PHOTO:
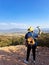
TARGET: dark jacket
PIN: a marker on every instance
(33, 35)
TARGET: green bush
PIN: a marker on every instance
(43, 40)
(17, 40)
(5, 41)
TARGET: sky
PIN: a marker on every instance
(24, 13)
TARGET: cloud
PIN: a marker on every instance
(3, 24)
(12, 25)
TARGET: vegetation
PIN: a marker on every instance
(11, 40)
(43, 40)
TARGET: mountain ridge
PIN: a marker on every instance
(19, 30)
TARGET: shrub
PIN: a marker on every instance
(17, 40)
(43, 40)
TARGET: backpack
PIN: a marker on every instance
(30, 41)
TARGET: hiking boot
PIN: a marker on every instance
(26, 61)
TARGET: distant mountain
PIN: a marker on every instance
(18, 30)
(14, 30)
(45, 30)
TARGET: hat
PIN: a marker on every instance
(30, 29)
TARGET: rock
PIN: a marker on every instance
(15, 55)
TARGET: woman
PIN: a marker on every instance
(31, 43)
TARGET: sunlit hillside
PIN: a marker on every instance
(18, 39)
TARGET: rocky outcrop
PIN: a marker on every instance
(15, 55)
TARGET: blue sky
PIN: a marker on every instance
(24, 13)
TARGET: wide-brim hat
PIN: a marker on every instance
(30, 29)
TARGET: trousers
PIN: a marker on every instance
(29, 47)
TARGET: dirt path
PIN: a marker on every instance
(15, 55)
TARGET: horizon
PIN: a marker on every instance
(23, 28)
(22, 31)
(24, 13)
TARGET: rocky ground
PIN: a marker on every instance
(15, 55)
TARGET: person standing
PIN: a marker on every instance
(31, 43)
